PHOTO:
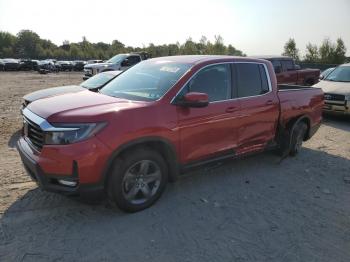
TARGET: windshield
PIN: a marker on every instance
(97, 81)
(146, 81)
(327, 71)
(116, 59)
(340, 74)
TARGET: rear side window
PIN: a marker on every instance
(288, 65)
(134, 60)
(213, 80)
(251, 79)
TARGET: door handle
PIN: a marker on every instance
(231, 109)
(269, 102)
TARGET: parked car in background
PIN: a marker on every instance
(96, 61)
(336, 88)
(287, 72)
(118, 62)
(27, 64)
(65, 65)
(47, 66)
(11, 64)
(159, 118)
(78, 65)
(326, 72)
(94, 84)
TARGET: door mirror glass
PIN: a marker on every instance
(194, 99)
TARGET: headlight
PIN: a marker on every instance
(63, 134)
(347, 97)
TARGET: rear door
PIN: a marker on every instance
(212, 130)
(259, 106)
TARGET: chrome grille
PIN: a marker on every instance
(33, 133)
(334, 97)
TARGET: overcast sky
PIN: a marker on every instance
(254, 26)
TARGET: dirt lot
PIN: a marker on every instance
(254, 209)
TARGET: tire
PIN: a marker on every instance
(298, 135)
(127, 184)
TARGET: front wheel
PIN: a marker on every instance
(298, 135)
(137, 180)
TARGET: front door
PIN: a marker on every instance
(212, 130)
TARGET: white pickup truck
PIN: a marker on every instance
(118, 62)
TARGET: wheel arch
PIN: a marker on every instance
(301, 118)
(159, 144)
(285, 131)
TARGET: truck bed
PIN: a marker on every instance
(296, 100)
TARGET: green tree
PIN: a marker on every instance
(7, 43)
(27, 44)
(291, 50)
(311, 55)
(327, 50)
(218, 48)
(189, 47)
(339, 52)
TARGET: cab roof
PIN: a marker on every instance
(197, 59)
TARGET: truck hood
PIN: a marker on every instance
(44, 93)
(98, 65)
(340, 88)
(85, 106)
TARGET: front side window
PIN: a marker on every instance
(213, 80)
(116, 59)
(251, 79)
(146, 81)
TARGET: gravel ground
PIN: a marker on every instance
(251, 209)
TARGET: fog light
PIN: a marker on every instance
(67, 183)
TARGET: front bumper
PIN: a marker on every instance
(35, 166)
(337, 107)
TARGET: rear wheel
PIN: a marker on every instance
(298, 135)
(137, 180)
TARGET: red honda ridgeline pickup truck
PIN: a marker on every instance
(287, 72)
(159, 118)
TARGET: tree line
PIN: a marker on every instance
(327, 53)
(28, 44)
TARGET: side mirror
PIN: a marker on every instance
(297, 67)
(278, 69)
(321, 77)
(126, 62)
(194, 99)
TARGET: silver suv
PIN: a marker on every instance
(118, 62)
